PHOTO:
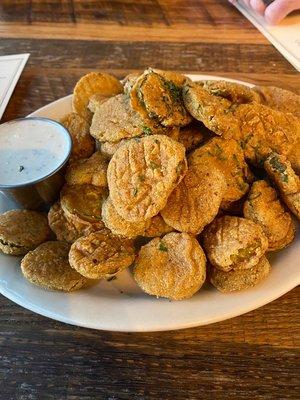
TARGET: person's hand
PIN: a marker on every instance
(276, 11)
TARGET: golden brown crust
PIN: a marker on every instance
(263, 130)
(216, 113)
(67, 231)
(100, 254)
(264, 208)
(294, 157)
(229, 157)
(173, 267)
(142, 174)
(234, 243)
(115, 120)
(157, 227)
(95, 101)
(195, 202)
(279, 99)
(232, 91)
(90, 84)
(159, 98)
(64, 230)
(118, 225)
(282, 174)
(191, 136)
(236, 280)
(83, 144)
(22, 231)
(82, 204)
(47, 266)
(90, 171)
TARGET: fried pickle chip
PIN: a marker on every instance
(216, 113)
(264, 208)
(234, 243)
(65, 230)
(264, 130)
(195, 202)
(159, 98)
(173, 267)
(100, 254)
(48, 267)
(22, 231)
(108, 149)
(157, 227)
(294, 157)
(83, 143)
(90, 84)
(142, 174)
(115, 120)
(129, 81)
(191, 136)
(82, 204)
(282, 174)
(88, 171)
(118, 225)
(229, 157)
(279, 99)
(236, 280)
(95, 101)
(232, 91)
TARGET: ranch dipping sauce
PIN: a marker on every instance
(31, 149)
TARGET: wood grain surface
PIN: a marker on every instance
(254, 356)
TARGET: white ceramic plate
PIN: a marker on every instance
(120, 305)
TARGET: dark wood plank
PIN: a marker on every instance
(55, 65)
(147, 20)
(252, 356)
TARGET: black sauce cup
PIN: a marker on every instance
(40, 193)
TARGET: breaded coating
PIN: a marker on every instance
(65, 230)
(100, 254)
(264, 208)
(95, 101)
(115, 120)
(236, 280)
(48, 267)
(82, 204)
(191, 136)
(118, 225)
(90, 84)
(83, 145)
(176, 77)
(90, 171)
(294, 157)
(142, 174)
(234, 92)
(264, 130)
(22, 231)
(228, 156)
(282, 174)
(258, 128)
(195, 202)
(159, 98)
(129, 81)
(234, 243)
(216, 113)
(108, 149)
(173, 267)
(157, 227)
(279, 99)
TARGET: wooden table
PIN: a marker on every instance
(250, 357)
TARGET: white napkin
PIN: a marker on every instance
(11, 68)
(284, 36)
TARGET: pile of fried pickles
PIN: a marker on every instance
(181, 180)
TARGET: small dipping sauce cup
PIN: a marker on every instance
(33, 153)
